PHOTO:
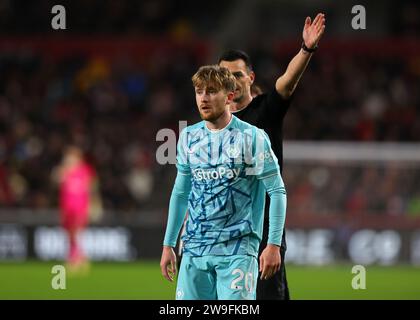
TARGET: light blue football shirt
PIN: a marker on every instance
(227, 198)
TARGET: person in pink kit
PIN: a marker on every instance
(76, 181)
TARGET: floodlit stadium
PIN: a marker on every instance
(114, 79)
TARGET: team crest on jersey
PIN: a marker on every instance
(233, 152)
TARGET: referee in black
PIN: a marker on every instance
(267, 111)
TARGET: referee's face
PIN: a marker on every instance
(244, 78)
(211, 102)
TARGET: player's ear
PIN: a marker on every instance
(229, 97)
(252, 76)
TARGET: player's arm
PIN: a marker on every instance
(268, 171)
(177, 210)
(312, 32)
(178, 205)
(270, 259)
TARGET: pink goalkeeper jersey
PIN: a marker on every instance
(75, 189)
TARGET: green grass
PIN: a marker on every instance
(334, 282)
(104, 281)
(142, 280)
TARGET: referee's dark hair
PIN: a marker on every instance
(232, 55)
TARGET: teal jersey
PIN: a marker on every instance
(227, 198)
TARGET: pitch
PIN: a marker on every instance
(143, 281)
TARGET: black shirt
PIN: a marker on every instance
(267, 112)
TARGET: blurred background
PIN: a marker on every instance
(121, 71)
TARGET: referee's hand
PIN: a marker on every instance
(168, 263)
(313, 31)
(270, 261)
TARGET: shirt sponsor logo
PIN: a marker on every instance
(214, 174)
(265, 156)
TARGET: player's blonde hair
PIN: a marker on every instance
(216, 76)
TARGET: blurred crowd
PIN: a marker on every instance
(113, 107)
(112, 110)
(208, 18)
(93, 17)
(353, 190)
(358, 97)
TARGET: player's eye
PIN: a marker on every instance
(238, 75)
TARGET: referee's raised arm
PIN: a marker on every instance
(312, 33)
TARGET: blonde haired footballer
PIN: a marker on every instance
(225, 168)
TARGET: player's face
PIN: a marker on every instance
(211, 103)
(71, 159)
(244, 78)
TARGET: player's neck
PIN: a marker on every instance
(239, 105)
(221, 122)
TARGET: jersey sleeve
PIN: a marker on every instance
(265, 162)
(182, 163)
(277, 214)
(178, 205)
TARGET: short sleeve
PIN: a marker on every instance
(182, 163)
